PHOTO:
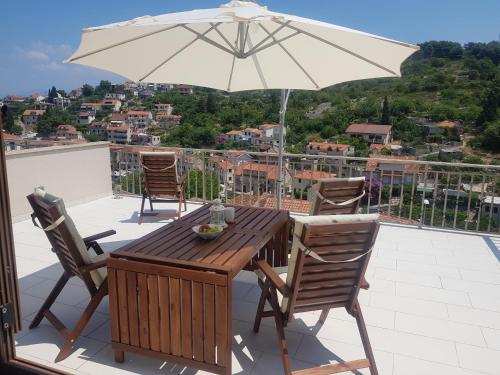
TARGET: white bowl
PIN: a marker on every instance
(209, 235)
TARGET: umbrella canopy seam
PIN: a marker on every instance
(257, 66)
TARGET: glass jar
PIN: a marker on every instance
(217, 213)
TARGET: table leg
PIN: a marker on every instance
(119, 356)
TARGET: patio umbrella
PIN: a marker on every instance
(240, 46)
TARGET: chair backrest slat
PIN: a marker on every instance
(160, 173)
(337, 190)
(318, 284)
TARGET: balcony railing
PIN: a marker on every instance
(436, 194)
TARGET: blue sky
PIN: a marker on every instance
(37, 36)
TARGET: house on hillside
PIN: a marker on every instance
(11, 142)
(61, 102)
(329, 149)
(235, 136)
(388, 168)
(139, 138)
(118, 118)
(185, 89)
(490, 205)
(119, 134)
(140, 119)
(86, 118)
(111, 104)
(302, 180)
(115, 95)
(372, 133)
(68, 132)
(99, 129)
(165, 108)
(165, 120)
(91, 107)
(30, 116)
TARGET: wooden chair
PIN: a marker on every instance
(329, 258)
(72, 251)
(161, 180)
(338, 196)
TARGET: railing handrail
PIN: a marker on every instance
(350, 158)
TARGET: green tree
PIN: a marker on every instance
(491, 103)
(103, 88)
(211, 103)
(52, 118)
(193, 187)
(384, 118)
(52, 94)
(87, 90)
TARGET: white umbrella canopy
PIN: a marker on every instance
(239, 46)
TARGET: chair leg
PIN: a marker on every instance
(278, 320)
(50, 299)
(82, 322)
(150, 203)
(119, 356)
(364, 338)
(324, 315)
(260, 307)
(141, 214)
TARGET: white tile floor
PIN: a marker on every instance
(433, 306)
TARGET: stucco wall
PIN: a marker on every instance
(76, 173)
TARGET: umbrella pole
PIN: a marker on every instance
(285, 94)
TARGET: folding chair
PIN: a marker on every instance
(72, 251)
(338, 196)
(329, 258)
(161, 180)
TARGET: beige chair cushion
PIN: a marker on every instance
(317, 201)
(98, 276)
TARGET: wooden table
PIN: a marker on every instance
(170, 291)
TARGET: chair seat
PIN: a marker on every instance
(99, 275)
(282, 272)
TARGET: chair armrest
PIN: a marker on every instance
(273, 277)
(93, 266)
(98, 236)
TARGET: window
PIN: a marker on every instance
(300, 180)
(495, 210)
(486, 208)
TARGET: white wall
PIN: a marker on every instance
(76, 173)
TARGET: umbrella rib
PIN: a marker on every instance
(268, 45)
(231, 74)
(254, 48)
(293, 59)
(202, 36)
(224, 37)
(122, 42)
(331, 44)
(175, 54)
(257, 65)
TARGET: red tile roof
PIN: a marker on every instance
(10, 137)
(118, 128)
(313, 175)
(372, 165)
(270, 170)
(234, 132)
(34, 112)
(447, 124)
(118, 117)
(368, 129)
(269, 126)
(324, 147)
(138, 113)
